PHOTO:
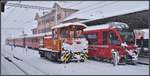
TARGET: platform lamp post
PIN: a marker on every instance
(56, 15)
(24, 41)
(12, 46)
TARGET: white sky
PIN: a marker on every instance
(14, 20)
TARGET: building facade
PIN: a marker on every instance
(48, 20)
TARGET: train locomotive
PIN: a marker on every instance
(113, 42)
(65, 44)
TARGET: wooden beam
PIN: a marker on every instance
(3, 2)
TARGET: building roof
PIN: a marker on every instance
(109, 9)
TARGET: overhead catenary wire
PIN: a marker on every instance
(28, 6)
(9, 13)
(97, 6)
(23, 23)
(18, 4)
(15, 19)
(87, 10)
(91, 5)
(72, 5)
(12, 9)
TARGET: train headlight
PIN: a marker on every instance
(133, 53)
(84, 50)
(124, 45)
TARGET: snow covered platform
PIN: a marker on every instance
(31, 63)
(142, 60)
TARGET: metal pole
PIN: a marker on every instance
(55, 15)
(23, 40)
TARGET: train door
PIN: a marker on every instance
(93, 42)
(104, 50)
(114, 43)
(41, 42)
(48, 42)
(56, 39)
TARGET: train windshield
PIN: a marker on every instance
(76, 34)
(128, 37)
(72, 34)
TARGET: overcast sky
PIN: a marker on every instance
(14, 20)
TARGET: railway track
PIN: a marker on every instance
(71, 69)
(142, 63)
(11, 61)
(19, 59)
(34, 67)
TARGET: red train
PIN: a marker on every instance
(31, 41)
(65, 44)
(113, 41)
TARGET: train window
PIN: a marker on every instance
(92, 38)
(55, 34)
(34, 40)
(113, 38)
(128, 36)
(78, 34)
(64, 33)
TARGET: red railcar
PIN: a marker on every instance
(112, 41)
(31, 41)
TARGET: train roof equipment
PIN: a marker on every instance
(110, 25)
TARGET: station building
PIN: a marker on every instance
(48, 20)
(136, 17)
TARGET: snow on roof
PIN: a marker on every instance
(68, 24)
(109, 9)
(76, 4)
(34, 35)
(106, 26)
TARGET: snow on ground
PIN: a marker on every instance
(90, 67)
(5, 70)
